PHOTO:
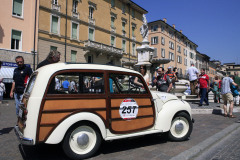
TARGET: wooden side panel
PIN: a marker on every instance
(55, 111)
(121, 126)
(43, 132)
(53, 118)
(74, 104)
(140, 102)
(141, 112)
(145, 117)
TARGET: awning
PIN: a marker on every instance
(7, 74)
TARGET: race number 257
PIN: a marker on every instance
(128, 109)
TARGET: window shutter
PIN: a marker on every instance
(16, 35)
(91, 34)
(73, 56)
(74, 30)
(112, 40)
(53, 48)
(17, 7)
(124, 45)
(54, 24)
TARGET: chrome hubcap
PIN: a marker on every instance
(179, 127)
(83, 139)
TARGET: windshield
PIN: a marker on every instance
(30, 84)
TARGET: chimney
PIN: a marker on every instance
(165, 20)
(173, 26)
(180, 31)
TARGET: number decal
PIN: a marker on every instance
(124, 108)
(128, 109)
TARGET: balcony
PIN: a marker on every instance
(56, 7)
(75, 14)
(103, 48)
(91, 21)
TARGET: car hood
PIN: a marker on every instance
(163, 96)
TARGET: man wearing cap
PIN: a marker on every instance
(193, 78)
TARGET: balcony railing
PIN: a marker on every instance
(56, 7)
(75, 14)
(91, 20)
(103, 48)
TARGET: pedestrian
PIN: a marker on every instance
(73, 86)
(2, 90)
(171, 75)
(193, 78)
(143, 71)
(0, 64)
(53, 57)
(163, 81)
(227, 95)
(204, 87)
(235, 92)
(66, 85)
(20, 79)
(215, 89)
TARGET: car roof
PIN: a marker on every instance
(52, 68)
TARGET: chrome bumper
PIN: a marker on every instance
(22, 140)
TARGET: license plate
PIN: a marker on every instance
(20, 112)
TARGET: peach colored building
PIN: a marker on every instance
(17, 24)
(172, 44)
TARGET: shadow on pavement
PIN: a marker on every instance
(6, 130)
(50, 152)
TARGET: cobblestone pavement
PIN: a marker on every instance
(227, 149)
(147, 147)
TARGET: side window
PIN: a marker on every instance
(93, 83)
(77, 83)
(126, 84)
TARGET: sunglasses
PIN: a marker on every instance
(19, 62)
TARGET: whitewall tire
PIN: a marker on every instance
(181, 127)
(82, 141)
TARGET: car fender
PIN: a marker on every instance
(59, 132)
(169, 110)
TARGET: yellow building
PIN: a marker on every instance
(172, 44)
(90, 31)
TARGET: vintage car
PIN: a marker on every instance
(97, 102)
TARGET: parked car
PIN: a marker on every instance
(105, 105)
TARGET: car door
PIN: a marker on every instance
(131, 105)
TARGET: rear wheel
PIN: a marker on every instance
(82, 141)
(181, 127)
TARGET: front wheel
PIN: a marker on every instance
(82, 141)
(181, 127)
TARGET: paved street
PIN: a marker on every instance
(206, 131)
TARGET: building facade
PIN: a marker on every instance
(93, 31)
(172, 44)
(231, 69)
(17, 27)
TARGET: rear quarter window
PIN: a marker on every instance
(77, 83)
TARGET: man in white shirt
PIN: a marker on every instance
(193, 77)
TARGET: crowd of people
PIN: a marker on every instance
(227, 87)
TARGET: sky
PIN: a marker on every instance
(214, 25)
